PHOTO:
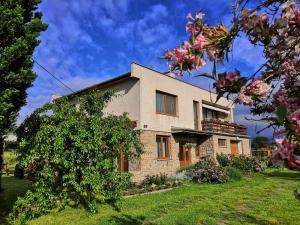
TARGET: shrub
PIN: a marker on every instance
(19, 171)
(247, 164)
(155, 179)
(224, 159)
(233, 173)
(207, 171)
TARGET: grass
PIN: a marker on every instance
(260, 199)
(13, 187)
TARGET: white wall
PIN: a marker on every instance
(151, 81)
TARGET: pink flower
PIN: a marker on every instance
(221, 83)
(265, 18)
(169, 55)
(187, 45)
(179, 55)
(197, 64)
(191, 27)
(285, 150)
(200, 42)
(190, 17)
(211, 52)
(200, 15)
(260, 88)
(296, 117)
(232, 76)
(244, 99)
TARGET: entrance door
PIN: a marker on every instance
(234, 148)
(184, 155)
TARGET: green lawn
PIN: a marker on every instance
(13, 187)
(262, 199)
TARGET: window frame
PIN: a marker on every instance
(225, 143)
(197, 115)
(162, 149)
(165, 103)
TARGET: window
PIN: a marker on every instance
(163, 147)
(222, 142)
(209, 114)
(165, 103)
(196, 114)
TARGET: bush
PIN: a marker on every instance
(247, 164)
(19, 171)
(207, 171)
(155, 179)
(224, 159)
(233, 173)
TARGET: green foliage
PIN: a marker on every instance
(246, 164)
(260, 142)
(207, 171)
(20, 27)
(223, 159)
(155, 179)
(233, 173)
(76, 150)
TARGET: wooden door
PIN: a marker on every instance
(234, 148)
(184, 155)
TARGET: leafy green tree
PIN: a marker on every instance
(260, 142)
(76, 149)
(20, 26)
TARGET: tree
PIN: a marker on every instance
(273, 91)
(76, 149)
(20, 26)
(260, 142)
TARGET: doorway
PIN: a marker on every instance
(184, 154)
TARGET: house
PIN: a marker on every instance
(180, 122)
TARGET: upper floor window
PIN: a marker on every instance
(209, 114)
(165, 103)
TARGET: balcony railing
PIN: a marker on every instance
(223, 127)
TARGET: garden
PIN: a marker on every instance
(231, 192)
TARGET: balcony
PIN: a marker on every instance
(223, 127)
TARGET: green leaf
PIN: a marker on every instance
(205, 75)
(281, 113)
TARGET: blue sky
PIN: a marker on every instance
(91, 41)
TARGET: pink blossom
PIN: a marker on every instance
(200, 15)
(191, 27)
(187, 45)
(197, 64)
(264, 18)
(244, 99)
(296, 117)
(221, 83)
(285, 150)
(190, 17)
(232, 76)
(260, 88)
(200, 42)
(179, 55)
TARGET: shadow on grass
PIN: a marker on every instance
(287, 175)
(13, 188)
(126, 219)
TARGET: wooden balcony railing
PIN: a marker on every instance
(223, 127)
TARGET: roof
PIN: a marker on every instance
(104, 83)
(128, 75)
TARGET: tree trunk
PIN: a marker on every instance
(1, 160)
